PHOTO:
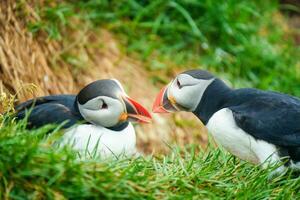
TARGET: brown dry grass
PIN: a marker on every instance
(96, 54)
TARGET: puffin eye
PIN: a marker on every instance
(178, 84)
(104, 105)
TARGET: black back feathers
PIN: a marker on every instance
(50, 110)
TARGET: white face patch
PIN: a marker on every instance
(187, 91)
(102, 110)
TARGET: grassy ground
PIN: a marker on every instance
(247, 42)
(32, 169)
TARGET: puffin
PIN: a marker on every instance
(96, 121)
(262, 127)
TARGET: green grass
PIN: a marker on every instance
(33, 168)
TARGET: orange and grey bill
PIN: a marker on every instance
(136, 111)
(158, 106)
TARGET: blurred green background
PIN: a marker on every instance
(249, 43)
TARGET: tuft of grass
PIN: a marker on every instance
(33, 168)
(7, 101)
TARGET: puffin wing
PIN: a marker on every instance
(274, 118)
(49, 110)
(67, 100)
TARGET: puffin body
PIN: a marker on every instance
(97, 121)
(234, 139)
(258, 126)
(92, 140)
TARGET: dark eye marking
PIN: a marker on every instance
(178, 84)
(104, 105)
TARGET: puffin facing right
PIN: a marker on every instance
(262, 127)
(97, 119)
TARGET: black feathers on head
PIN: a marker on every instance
(105, 87)
(199, 74)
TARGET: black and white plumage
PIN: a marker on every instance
(95, 120)
(255, 125)
(54, 109)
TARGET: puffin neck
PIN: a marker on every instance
(213, 99)
(119, 127)
(76, 106)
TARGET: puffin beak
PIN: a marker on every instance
(135, 111)
(162, 103)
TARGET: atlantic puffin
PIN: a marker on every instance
(262, 127)
(97, 121)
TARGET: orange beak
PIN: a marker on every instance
(163, 103)
(159, 102)
(136, 112)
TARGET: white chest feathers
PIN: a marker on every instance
(95, 141)
(226, 133)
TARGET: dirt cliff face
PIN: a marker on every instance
(25, 59)
(65, 66)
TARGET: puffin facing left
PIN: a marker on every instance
(97, 120)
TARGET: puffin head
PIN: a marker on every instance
(105, 103)
(183, 93)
